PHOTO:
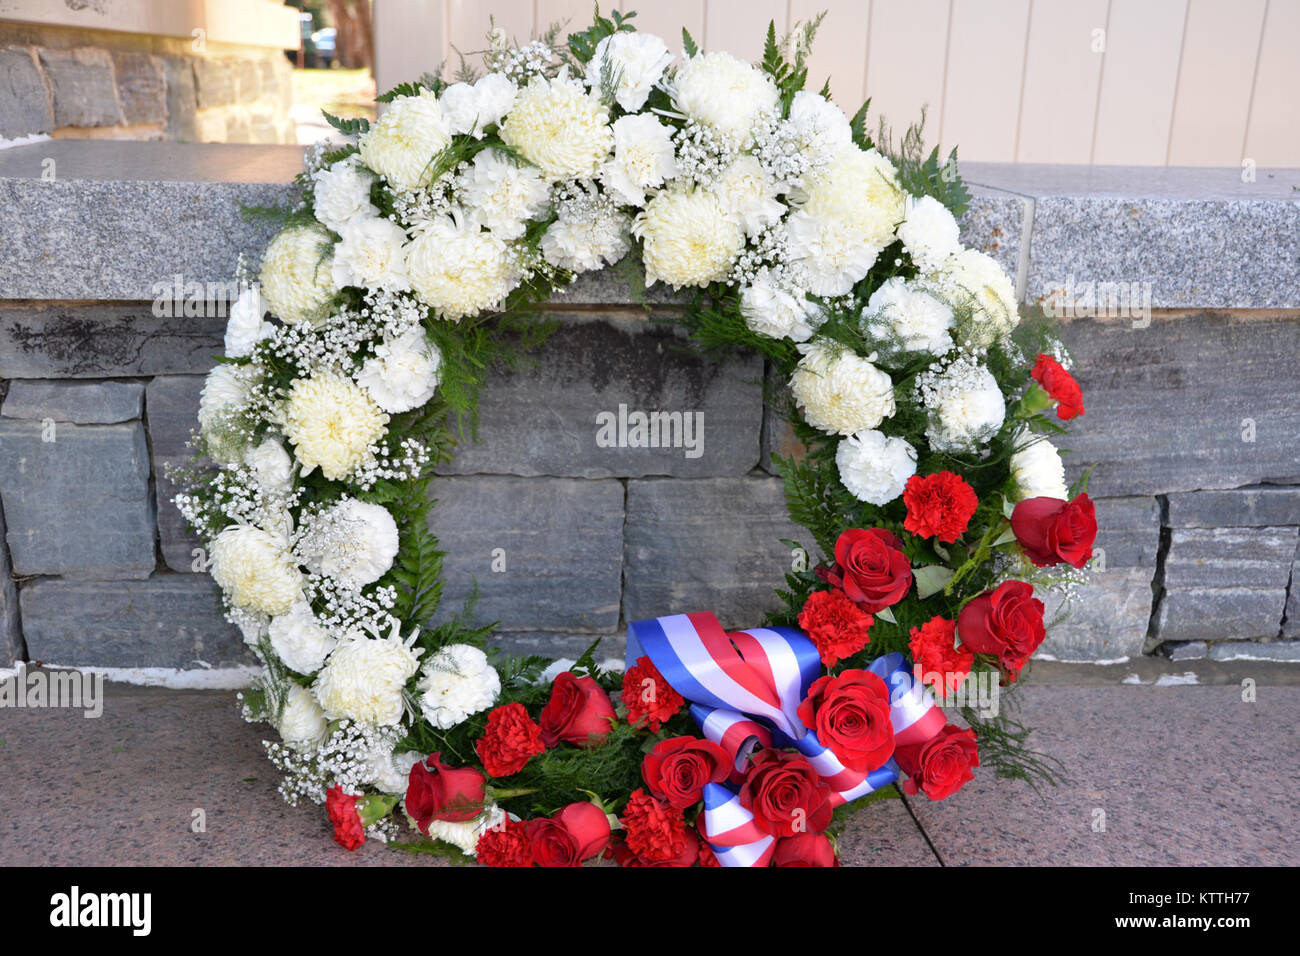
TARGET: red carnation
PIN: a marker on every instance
(939, 506)
(941, 765)
(656, 832)
(505, 844)
(349, 832)
(943, 665)
(870, 567)
(677, 769)
(691, 853)
(579, 712)
(1053, 531)
(1060, 385)
(835, 624)
(648, 696)
(509, 741)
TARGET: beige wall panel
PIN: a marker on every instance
(1273, 137)
(740, 26)
(840, 51)
(667, 17)
(1062, 75)
(986, 56)
(410, 39)
(905, 63)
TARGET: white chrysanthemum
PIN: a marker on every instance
(688, 237)
(821, 128)
(725, 94)
(352, 542)
(643, 158)
(298, 640)
(965, 405)
(272, 466)
(255, 570)
(503, 194)
(975, 281)
(849, 211)
(296, 278)
(559, 128)
(225, 392)
(748, 194)
(772, 309)
(841, 393)
(364, 677)
(929, 232)
(906, 313)
(1037, 471)
(403, 373)
(246, 325)
(341, 194)
(402, 145)
(370, 256)
(636, 62)
(458, 269)
(456, 683)
(875, 467)
(331, 422)
(465, 836)
(302, 723)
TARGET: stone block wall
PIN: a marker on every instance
(81, 84)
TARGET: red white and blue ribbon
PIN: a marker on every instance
(745, 689)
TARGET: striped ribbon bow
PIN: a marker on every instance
(744, 689)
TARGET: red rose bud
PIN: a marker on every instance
(871, 568)
(677, 769)
(1052, 531)
(850, 713)
(786, 795)
(1007, 623)
(551, 843)
(805, 849)
(1060, 386)
(938, 506)
(837, 626)
(589, 827)
(940, 766)
(579, 712)
(349, 832)
(435, 791)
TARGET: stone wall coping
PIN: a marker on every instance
(120, 217)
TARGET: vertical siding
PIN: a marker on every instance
(1181, 82)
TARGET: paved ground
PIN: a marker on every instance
(1158, 775)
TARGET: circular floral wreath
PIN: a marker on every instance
(925, 482)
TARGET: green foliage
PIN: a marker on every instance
(924, 175)
(689, 46)
(1003, 748)
(583, 45)
(353, 126)
(790, 76)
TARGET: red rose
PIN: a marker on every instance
(938, 506)
(785, 794)
(850, 713)
(648, 696)
(870, 567)
(550, 843)
(941, 765)
(692, 852)
(588, 825)
(505, 844)
(835, 624)
(1053, 531)
(655, 831)
(349, 832)
(805, 849)
(1060, 385)
(435, 791)
(943, 665)
(509, 741)
(579, 712)
(677, 769)
(1007, 623)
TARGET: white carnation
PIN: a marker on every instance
(331, 422)
(929, 232)
(403, 373)
(298, 640)
(296, 277)
(587, 236)
(841, 393)
(341, 194)
(559, 128)
(302, 723)
(773, 309)
(272, 466)
(975, 282)
(1037, 471)
(636, 61)
(748, 194)
(503, 194)
(456, 683)
(875, 467)
(353, 542)
(726, 94)
(457, 269)
(364, 678)
(965, 405)
(688, 237)
(402, 145)
(643, 158)
(226, 391)
(387, 771)
(370, 256)
(474, 109)
(246, 325)
(821, 128)
(465, 836)
(255, 570)
(906, 313)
